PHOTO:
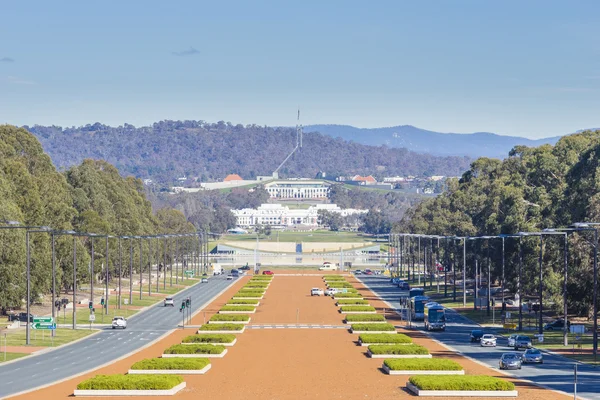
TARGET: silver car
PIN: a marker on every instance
(510, 361)
(522, 342)
(533, 356)
(512, 339)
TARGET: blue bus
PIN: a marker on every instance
(417, 307)
(435, 317)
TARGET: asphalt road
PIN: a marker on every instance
(556, 372)
(64, 362)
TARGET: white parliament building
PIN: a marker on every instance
(283, 216)
(298, 189)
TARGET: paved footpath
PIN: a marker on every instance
(291, 363)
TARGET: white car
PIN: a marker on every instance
(119, 322)
(488, 340)
(317, 292)
(169, 302)
(229, 277)
(204, 280)
(331, 291)
(512, 339)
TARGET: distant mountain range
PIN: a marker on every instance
(478, 144)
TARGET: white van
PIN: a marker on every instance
(217, 269)
(327, 266)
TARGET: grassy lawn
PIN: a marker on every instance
(11, 356)
(43, 338)
(83, 315)
(315, 236)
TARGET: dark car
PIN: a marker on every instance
(510, 361)
(404, 285)
(557, 324)
(245, 268)
(22, 317)
(476, 335)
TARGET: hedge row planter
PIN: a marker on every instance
(195, 351)
(102, 385)
(397, 351)
(461, 386)
(357, 310)
(389, 338)
(222, 328)
(211, 338)
(365, 319)
(352, 302)
(166, 366)
(420, 366)
(228, 322)
(247, 297)
(238, 302)
(372, 328)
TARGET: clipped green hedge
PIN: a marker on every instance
(210, 338)
(340, 285)
(249, 295)
(421, 364)
(257, 291)
(373, 327)
(242, 302)
(171, 363)
(252, 286)
(261, 278)
(195, 349)
(241, 307)
(348, 294)
(334, 278)
(344, 302)
(131, 382)
(365, 318)
(396, 338)
(398, 349)
(230, 317)
(356, 308)
(221, 327)
(459, 382)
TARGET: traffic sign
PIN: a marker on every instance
(126, 301)
(189, 272)
(43, 319)
(92, 317)
(43, 325)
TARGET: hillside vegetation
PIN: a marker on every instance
(170, 149)
(534, 188)
(91, 197)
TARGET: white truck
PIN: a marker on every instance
(217, 269)
(327, 266)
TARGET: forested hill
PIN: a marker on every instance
(169, 149)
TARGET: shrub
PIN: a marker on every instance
(171, 363)
(242, 302)
(258, 291)
(356, 308)
(422, 364)
(221, 327)
(238, 308)
(343, 302)
(334, 277)
(396, 338)
(230, 317)
(254, 286)
(399, 349)
(348, 294)
(131, 382)
(210, 338)
(364, 318)
(195, 349)
(249, 295)
(457, 382)
(261, 278)
(340, 285)
(373, 327)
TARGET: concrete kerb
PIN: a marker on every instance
(150, 343)
(470, 358)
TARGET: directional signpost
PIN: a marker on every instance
(43, 323)
(189, 273)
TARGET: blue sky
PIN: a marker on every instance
(528, 68)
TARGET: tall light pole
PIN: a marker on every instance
(489, 273)
(565, 279)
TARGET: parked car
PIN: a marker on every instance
(331, 291)
(488, 340)
(533, 356)
(267, 272)
(119, 322)
(511, 340)
(557, 324)
(476, 335)
(316, 292)
(358, 272)
(21, 317)
(522, 342)
(168, 302)
(510, 361)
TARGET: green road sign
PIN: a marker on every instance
(43, 319)
(189, 272)
(43, 325)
